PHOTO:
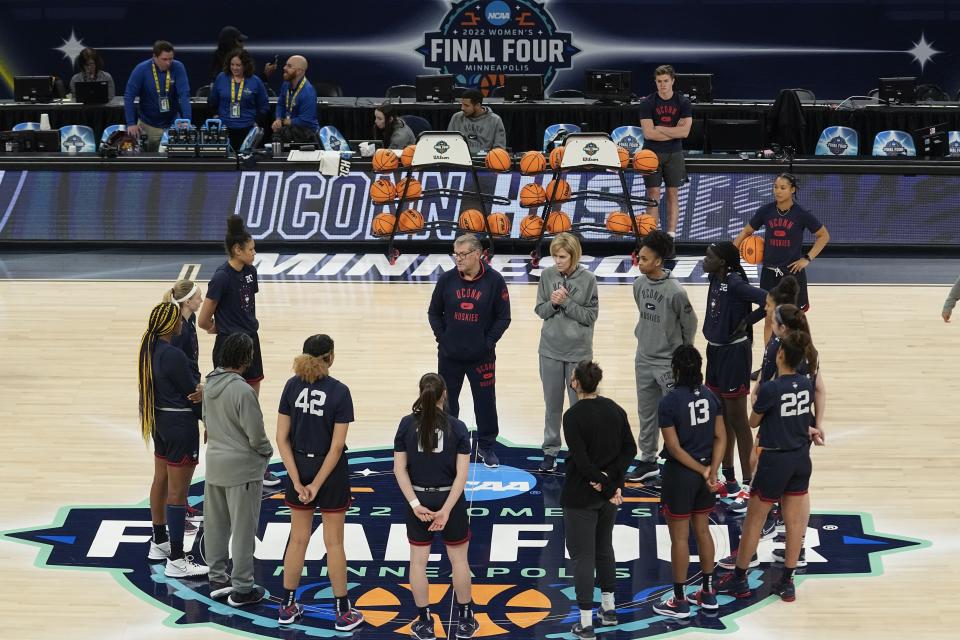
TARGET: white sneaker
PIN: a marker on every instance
(184, 568)
(159, 551)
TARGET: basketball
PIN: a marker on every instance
(751, 249)
(532, 195)
(384, 160)
(383, 224)
(499, 224)
(619, 222)
(407, 157)
(531, 226)
(645, 160)
(471, 220)
(558, 221)
(646, 223)
(558, 190)
(498, 160)
(414, 188)
(382, 191)
(555, 157)
(532, 162)
(411, 220)
(624, 157)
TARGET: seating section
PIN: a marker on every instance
(838, 141)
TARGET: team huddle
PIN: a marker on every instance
(702, 417)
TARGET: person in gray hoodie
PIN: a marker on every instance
(666, 321)
(482, 128)
(237, 455)
(951, 301)
(567, 301)
(391, 128)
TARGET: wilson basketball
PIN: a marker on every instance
(407, 157)
(471, 220)
(411, 220)
(646, 223)
(414, 188)
(384, 160)
(619, 222)
(624, 157)
(751, 249)
(558, 221)
(382, 191)
(531, 226)
(645, 160)
(555, 157)
(499, 224)
(383, 224)
(532, 162)
(532, 195)
(498, 160)
(558, 190)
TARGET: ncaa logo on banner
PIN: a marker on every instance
(480, 42)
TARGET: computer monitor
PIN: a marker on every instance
(522, 88)
(897, 90)
(438, 88)
(93, 92)
(32, 88)
(732, 136)
(608, 85)
(696, 86)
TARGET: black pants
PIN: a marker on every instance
(589, 535)
(483, 379)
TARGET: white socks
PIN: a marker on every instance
(586, 618)
(606, 601)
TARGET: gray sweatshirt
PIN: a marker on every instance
(667, 318)
(483, 132)
(952, 297)
(567, 332)
(402, 136)
(237, 447)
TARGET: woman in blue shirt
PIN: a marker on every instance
(238, 96)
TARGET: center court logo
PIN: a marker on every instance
(522, 578)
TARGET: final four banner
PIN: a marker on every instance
(304, 206)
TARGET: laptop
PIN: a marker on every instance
(91, 92)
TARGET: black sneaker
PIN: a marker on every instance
(220, 590)
(269, 479)
(785, 589)
(489, 458)
(582, 633)
(608, 617)
(730, 562)
(643, 471)
(194, 514)
(769, 529)
(549, 463)
(467, 627)
(242, 599)
(421, 630)
(738, 588)
(779, 556)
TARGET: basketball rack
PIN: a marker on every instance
(590, 152)
(446, 150)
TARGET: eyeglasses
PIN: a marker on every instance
(463, 255)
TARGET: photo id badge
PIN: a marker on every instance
(164, 104)
(235, 110)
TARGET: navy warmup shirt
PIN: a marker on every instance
(439, 468)
(787, 407)
(314, 409)
(693, 413)
(235, 294)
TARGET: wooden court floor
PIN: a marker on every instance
(69, 432)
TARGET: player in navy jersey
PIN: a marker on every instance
(727, 328)
(694, 438)
(315, 412)
(783, 414)
(431, 459)
(783, 253)
(169, 411)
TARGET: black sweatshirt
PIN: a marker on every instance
(468, 317)
(598, 434)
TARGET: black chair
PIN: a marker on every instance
(417, 124)
(328, 90)
(497, 91)
(931, 93)
(805, 95)
(402, 91)
(458, 92)
(271, 93)
(695, 139)
(567, 93)
(204, 91)
(873, 93)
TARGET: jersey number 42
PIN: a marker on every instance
(311, 401)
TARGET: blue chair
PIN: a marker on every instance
(109, 131)
(333, 140)
(630, 138)
(894, 143)
(417, 124)
(27, 126)
(838, 141)
(79, 137)
(555, 134)
(953, 142)
(252, 141)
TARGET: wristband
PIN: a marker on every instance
(414, 503)
(807, 257)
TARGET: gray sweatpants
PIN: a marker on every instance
(555, 376)
(654, 380)
(231, 512)
(589, 538)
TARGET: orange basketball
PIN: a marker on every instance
(411, 220)
(751, 249)
(645, 160)
(382, 191)
(532, 162)
(624, 156)
(471, 220)
(532, 195)
(646, 223)
(407, 157)
(555, 157)
(383, 224)
(498, 160)
(384, 160)
(619, 222)
(499, 224)
(558, 190)
(558, 221)
(414, 188)
(531, 226)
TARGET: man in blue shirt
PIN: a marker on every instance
(163, 89)
(297, 105)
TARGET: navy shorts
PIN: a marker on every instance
(671, 170)
(455, 532)
(781, 473)
(254, 372)
(684, 491)
(176, 438)
(728, 369)
(770, 276)
(334, 494)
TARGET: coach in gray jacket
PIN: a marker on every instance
(481, 126)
